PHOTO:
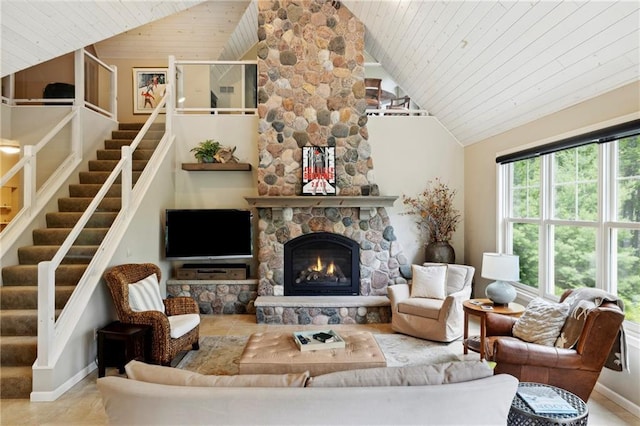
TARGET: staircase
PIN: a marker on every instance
(19, 292)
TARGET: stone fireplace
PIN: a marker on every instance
(311, 93)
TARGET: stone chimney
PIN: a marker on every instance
(311, 93)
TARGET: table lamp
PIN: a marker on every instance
(502, 268)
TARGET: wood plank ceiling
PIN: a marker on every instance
(480, 67)
(484, 67)
(37, 31)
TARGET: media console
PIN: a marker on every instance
(226, 271)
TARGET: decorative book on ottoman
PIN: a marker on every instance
(543, 400)
(315, 340)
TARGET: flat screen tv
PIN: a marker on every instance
(208, 234)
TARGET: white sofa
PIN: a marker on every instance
(482, 401)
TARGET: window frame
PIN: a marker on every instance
(606, 223)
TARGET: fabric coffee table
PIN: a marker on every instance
(277, 353)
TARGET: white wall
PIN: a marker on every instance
(215, 189)
(408, 152)
(480, 190)
(402, 165)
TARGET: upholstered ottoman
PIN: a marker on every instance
(277, 353)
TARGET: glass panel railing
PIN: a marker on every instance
(216, 87)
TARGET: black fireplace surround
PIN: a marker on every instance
(321, 264)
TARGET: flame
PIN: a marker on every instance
(318, 266)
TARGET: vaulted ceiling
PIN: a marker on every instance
(480, 67)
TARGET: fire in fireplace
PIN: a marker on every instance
(321, 263)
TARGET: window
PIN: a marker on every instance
(571, 212)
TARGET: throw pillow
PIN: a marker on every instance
(456, 278)
(144, 295)
(162, 375)
(414, 375)
(541, 322)
(429, 281)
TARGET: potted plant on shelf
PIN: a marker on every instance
(206, 151)
(437, 218)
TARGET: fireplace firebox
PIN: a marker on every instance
(321, 263)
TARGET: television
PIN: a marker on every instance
(208, 234)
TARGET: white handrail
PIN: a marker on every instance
(398, 112)
(37, 147)
(53, 335)
(34, 199)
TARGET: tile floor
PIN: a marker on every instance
(82, 404)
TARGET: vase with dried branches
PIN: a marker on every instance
(437, 218)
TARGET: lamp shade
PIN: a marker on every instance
(500, 267)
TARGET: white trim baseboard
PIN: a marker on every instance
(53, 395)
(615, 397)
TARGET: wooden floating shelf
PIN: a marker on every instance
(202, 167)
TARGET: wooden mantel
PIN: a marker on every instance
(367, 204)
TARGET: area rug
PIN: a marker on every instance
(220, 354)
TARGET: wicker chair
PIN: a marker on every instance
(163, 347)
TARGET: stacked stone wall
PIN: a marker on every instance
(311, 92)
(381, 255)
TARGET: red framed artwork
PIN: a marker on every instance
(318, 170)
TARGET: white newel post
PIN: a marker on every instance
(127, 178)
(29, 185)
(46, 312)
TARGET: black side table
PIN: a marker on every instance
(522, 414)
(119, 343)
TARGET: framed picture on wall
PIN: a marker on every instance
(148, 89)
(318, 170)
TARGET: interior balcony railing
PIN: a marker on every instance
(230, 87)
(95, 87)
(214, 87)
(45, 165)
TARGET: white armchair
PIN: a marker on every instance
(428, 317)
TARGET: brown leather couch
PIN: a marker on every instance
(576, 369)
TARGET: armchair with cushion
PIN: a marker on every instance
(175, 322)
(431, 308)
(575, 368)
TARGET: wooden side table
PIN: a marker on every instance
(479, 308)
(119, 343)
